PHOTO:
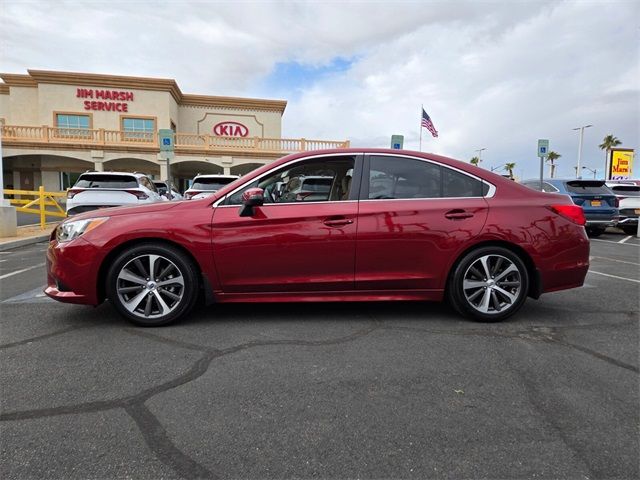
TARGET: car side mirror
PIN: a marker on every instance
(252, 197)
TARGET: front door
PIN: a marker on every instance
(413, 216)
(301, 239)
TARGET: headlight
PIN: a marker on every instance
(67, 231)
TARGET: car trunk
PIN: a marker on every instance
(591, 195)
(104, 196)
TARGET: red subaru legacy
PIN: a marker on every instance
(368, 224)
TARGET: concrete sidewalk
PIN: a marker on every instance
(27, 235)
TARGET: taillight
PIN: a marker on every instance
(138, 193)
(573, 213)
(190, 195)
(73, 192)
(617, 203)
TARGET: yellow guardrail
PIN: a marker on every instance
(39, 204)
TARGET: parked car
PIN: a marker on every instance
(598, 202)
(436, 229)
(206, 185)
(628, 195)
(95, 190)
(163, 188)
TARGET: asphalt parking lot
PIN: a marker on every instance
(343, 390)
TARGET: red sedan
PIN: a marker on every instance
(382, 225)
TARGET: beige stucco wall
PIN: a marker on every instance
(23, 106)
(196, 119)
(63, 98)
(4, 106)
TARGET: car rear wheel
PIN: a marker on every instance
(489, 284)
(152, 284)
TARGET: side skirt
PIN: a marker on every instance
(336, 296)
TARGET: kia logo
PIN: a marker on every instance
(230, 129)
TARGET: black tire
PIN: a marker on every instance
(505, 298)
(630, 229)
(595, 231)
(175, 293)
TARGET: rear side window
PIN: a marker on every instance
(211, 183)
(97, 180)
(397, 177)
(456, 184)
(588, 187)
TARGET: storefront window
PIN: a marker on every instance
(139, 128)
(72, 125)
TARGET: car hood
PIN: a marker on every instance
(118, 211)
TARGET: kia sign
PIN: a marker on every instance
(230, 129)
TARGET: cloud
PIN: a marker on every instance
(498, 75)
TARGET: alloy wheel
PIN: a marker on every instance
(150, 286)
(492, 284)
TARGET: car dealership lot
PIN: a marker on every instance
(394, 390)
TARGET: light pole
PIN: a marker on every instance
(592, 171)
(579, 170)
(479, 152)
(493, 169)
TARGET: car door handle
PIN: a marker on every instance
(337, 222)
(458, 214)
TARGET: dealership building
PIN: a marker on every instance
(56, 125)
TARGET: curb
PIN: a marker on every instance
(22, 242)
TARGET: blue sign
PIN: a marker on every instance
(396, 146)
(166, 137)
(166, 141)
(543, 148)
(397, 142)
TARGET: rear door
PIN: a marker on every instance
(413, 215)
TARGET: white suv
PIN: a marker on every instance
(205, 185)
(95, 190)
(628, 195)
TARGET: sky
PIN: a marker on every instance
(493, 75)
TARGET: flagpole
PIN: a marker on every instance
(421, 110)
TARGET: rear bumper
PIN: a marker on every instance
(569, 266)
(72, 272)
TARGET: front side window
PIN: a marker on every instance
(138, 128)
(316, 180)
(70, 125)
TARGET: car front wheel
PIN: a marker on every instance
(489, 284)
(152, 284)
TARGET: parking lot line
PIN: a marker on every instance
(615, 276)
(613, 260)
(625, 239)
(11, 274)
(617, 243)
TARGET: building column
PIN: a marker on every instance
(226, 170)
(98, 167)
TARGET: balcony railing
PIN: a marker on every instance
(185, 142)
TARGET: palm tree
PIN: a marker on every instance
(607, 144)
(551, 157)
(510, 167)
(475, 161)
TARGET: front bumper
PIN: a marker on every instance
(72, 272)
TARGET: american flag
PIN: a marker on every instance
(428, 124)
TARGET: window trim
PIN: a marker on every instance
(367, 164)
(77, 114)
(355, 180)
(138, 117)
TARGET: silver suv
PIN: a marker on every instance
(95, 190)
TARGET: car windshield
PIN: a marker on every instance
(211, 183)
(160, 185)
(626, 190)
(106, 181)
(591, 187)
